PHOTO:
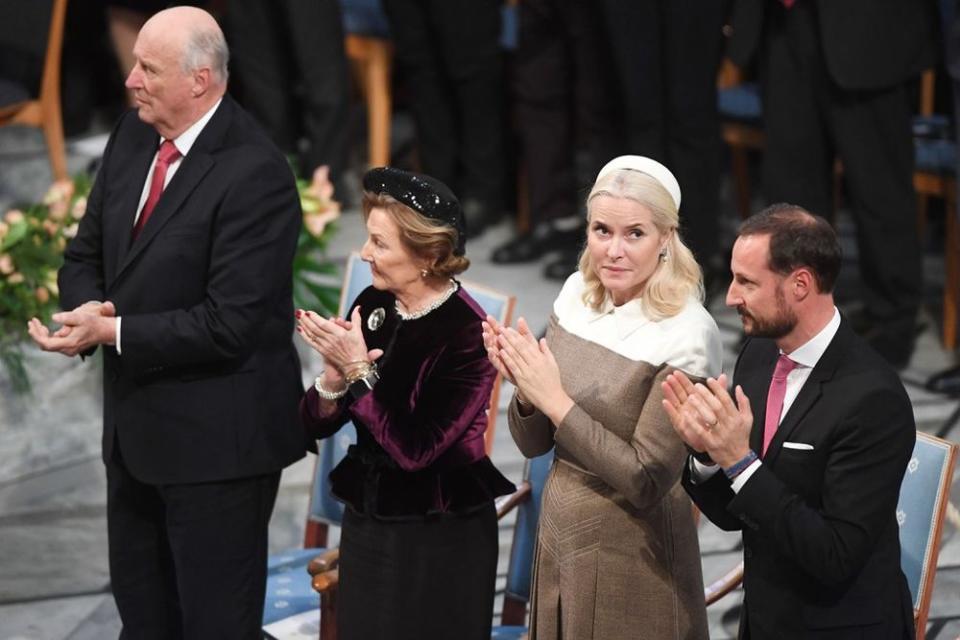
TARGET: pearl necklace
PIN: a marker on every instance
(454, 286)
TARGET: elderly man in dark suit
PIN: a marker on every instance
(835, 80)
(808, 457)
(181, 269)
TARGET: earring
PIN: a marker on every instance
(424, 273)
(663, 255)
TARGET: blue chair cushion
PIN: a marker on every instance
(12, 93)
(507, 633)
(740, 102)
(289, 588)
(509, 27)
(935, 156)
(364, 18)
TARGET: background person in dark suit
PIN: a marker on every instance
(834, 76)
(834, 428)
(201, 381)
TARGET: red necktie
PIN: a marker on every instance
(167, 155)
(778, 389)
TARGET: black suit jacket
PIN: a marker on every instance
(820, 535)
(867, 44)
(208, 383)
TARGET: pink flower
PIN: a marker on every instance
(43, 296)
(51, 227)
(79, 208)
(320, 186)
(61, 190)
(15, 278)
(317, 222)
(14, 216)
(6, 264)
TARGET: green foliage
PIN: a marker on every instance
(32, 240)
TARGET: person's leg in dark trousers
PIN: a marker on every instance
(875, 144)
(142, 573)
(693, 40)
(598, 117)
(189, 561)
(469, 37)
(414, 33)
(261, 62)
(542, 86)
(315, 38)
(798, 156)
(218, 538)
(666, 55)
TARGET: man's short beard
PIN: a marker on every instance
(774, 328)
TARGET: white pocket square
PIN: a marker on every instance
(800, 446)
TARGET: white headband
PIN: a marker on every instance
(648, 166)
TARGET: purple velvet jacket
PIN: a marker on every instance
(420, 447)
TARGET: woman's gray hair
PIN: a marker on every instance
(207, 48)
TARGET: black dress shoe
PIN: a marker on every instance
(946, 381)
(526, 247)
(561, 268)
(478, 217)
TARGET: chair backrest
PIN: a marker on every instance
(324, 508)
(524, 541)
(924, 495)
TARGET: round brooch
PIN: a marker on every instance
(376, 318)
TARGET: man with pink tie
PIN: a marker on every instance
(807, 455)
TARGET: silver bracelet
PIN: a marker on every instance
(328, 395)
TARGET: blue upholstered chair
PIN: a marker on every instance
(519, 571)
(27, 28)
(289, 589)
(741, 127)
(934, 176)
(924, 495)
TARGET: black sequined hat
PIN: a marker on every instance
(425, 195)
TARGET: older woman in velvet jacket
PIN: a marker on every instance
(419, 543)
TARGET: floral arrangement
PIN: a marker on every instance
(32, 240)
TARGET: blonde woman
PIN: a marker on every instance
(617, 553)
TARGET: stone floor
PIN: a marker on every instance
(54, 583)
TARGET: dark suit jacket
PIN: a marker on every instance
(208, 382)
(820, 534)
(867, 44)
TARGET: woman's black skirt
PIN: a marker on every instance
(427, 579)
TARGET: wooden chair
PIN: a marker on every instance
(935, 177)
(21, 25)
(288, 583)
(370, 52)
(741, 128)
(924, 495)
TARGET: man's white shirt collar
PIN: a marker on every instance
(184, 142)
(809, 353)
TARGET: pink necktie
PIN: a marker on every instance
(168, 154)
(778, 389)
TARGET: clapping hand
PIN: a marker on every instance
(706, 417)
(87, 326)
(530, 366)
(339, 341)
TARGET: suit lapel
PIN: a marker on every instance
(812, 389)
(129, 191)
(197, 163)
(755, 385)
